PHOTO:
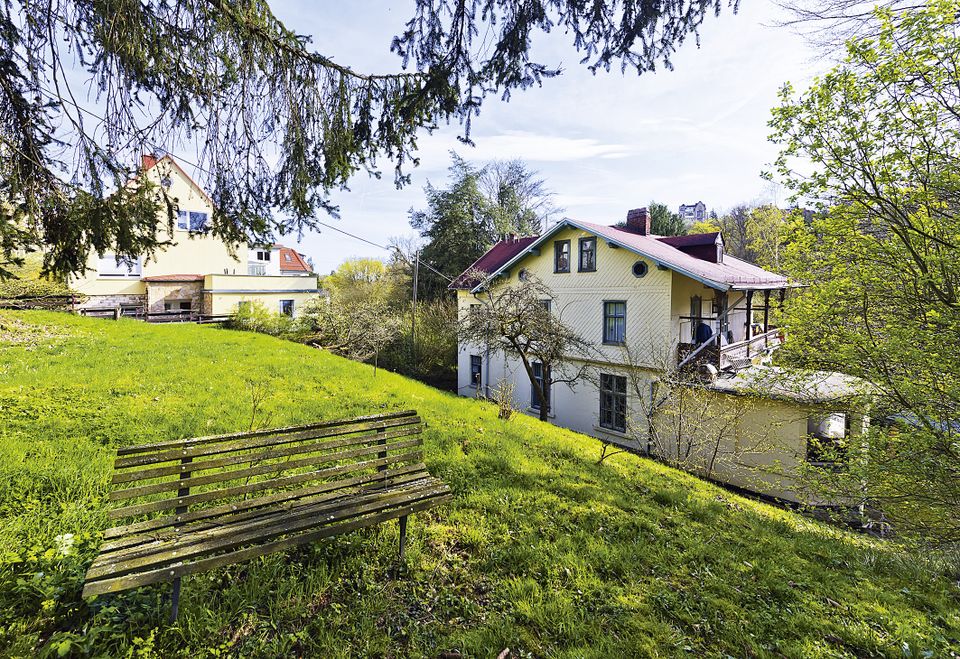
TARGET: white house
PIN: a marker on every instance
(650, 304)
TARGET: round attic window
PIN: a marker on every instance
(524, 274)
(166, 182)
(639, 269)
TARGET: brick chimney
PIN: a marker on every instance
(638, 219)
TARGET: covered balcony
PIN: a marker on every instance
(733, 332)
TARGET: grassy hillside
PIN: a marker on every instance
(543, 551)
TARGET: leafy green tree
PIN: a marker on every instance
(480, 205)
(519, 201)
(767, 232)
(365, 279)
(278, 126)
(704, 226)
(879, 140)
(455, 226)
(663, 222)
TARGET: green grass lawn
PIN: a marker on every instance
(543, 551)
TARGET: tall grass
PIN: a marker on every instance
(543, 551)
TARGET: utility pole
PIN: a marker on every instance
(413, 316)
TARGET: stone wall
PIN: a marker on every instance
(113, 301)
(159, 292)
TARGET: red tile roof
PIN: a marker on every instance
(292, 261)
(492, 260)
(692, 240)
(173, 278)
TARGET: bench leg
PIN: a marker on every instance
(403, 535)
(175, 601)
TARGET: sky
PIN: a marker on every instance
(603, 143)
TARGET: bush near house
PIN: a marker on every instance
(543, 551)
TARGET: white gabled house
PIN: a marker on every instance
(651, 304)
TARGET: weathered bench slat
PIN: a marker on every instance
(176, 571)
(257, 456)
(191, 451)
(285, 481)
(278, 523)
(129, 532)
(237, 513)
(196, 441)
(259, 470)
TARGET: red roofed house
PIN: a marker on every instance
(197, 273)
(669, 302)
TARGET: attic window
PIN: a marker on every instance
(523, 275)
(640, 269)
(287, 257)
(191, 220)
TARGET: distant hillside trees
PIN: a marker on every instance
(367, 317)
(878, 141)
(479, 205)
(366, 279)
(663, 222)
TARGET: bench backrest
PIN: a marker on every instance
(172, 483)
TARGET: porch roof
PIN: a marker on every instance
(805, 387)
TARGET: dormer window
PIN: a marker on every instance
(588, 255)
(561, 256)
(263, 255)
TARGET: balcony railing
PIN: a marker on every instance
(720, 352)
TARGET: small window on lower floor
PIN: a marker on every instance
(613, 402)
(177, 305)
(286, 307)
(476, 367)
(827, 438)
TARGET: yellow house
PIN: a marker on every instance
(197, 273)
(652, 305)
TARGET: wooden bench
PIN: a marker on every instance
(196, 504)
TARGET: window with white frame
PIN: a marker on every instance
(262, 254)
(191, 220)
(108, 266)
